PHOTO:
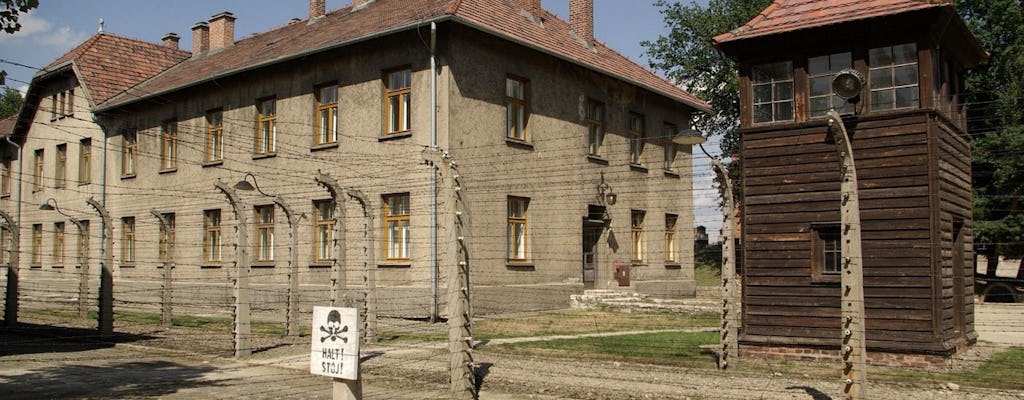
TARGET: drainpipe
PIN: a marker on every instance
(11, 310)
(433, 173)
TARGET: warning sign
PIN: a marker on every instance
(335, 348)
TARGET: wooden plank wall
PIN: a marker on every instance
(790, 180)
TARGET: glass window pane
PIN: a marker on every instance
(762, 93)
(817, 65)
(881, 78)
(905, 75)
(839, 61)
(819, 106)
(906, 97)
(821, 86)
(905, 53)
(784, 111)
(784, 91)
(881, 99)
(762, 113)
(880, 56)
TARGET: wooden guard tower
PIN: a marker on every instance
(909, 139)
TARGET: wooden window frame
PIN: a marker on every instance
(517, 250)
(63, 104)
(265, 141)
(71, 103)
(169, 145)
(38, 166)
(636, 228)
(128, 240)
(517, 109)
(53, 107)
(5, 246)
(5, 178)
(165, 245)
(323, 231)
(397, 248)
(671, 150)
(129, 152)
(637, 133)
(402, 108)
(37, 245)
(212, 236)
(671, 240)
(85, 161)
(214, 145)
(774, 101)
(60, 167)
(820, 234)
(58, 244)
(873, 69)
(826, 76)
(327, 133)
(593, 119)
(265, 240)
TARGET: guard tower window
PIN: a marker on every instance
(893, 77)
(821, 70)
(773, 92)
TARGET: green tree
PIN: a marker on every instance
(995, 97)
(687, 57)
(10, 103)
(9, 11)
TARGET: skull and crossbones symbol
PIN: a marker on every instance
(334, 329)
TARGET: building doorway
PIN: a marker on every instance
(593, 226)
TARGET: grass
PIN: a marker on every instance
(1003, 371)
(664, 348)
(579, 322)
(187, 321)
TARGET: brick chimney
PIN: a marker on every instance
(171, 40)
(533, 7)
(200, 38)
(317, 9)
(222, 30)
(581, 20)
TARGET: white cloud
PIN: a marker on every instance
(38, 31)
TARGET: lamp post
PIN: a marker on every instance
(83, 256)
(728, 340)
(242, 312)
(292, 315)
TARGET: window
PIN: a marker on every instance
(53, 107)
(71, 102)
(5, 178)
(169, 145)
(893, 76)
(265, 233)
(515, 108)
(327, 114)
(826, 251)
(58, 244)
(637, 233)
(671, 252)
(266, 127)
(821, 71)
(670, 147)
(214, 135)
(211, 236)
(166, 241)
(129, 148)
(82, 243)
(85, 161)
(516, 232)
(63, 104)
(5, 246)
(636, 138)
(128, 240)
(37, 177)
(397, 93)
(37, 245)
(595, 127)
(61, 166)
(773, 92)
(323, 220)
(396, 223)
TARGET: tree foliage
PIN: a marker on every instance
(995, 96)
(10, 103)
(9, 11)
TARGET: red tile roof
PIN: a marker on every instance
(790, 15)
(343, 26)
(7, 125)
(108, 64)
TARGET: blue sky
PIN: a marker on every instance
(59, 25)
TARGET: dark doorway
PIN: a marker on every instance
(593, 225)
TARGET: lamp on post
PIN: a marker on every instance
(83, 256)
(728, 335)
(291, 325)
